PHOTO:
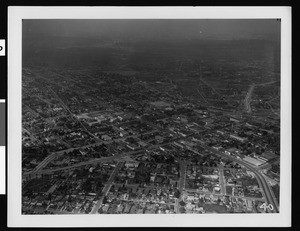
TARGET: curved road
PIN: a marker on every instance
(261, 180)
(40, 170)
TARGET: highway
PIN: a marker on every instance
(268, 194)
(248, 98)
(261, 180)
(93, 161)
(50, 157)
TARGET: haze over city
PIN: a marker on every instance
(151, 116)
(156, 28)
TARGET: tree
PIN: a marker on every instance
(104, 200)
(177, 193)
(182, 210)
(87, 186)
(182, 203)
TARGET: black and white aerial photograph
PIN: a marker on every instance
(151, 116)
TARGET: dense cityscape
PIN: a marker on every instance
(157, 129)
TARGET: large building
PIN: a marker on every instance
(160, 104)
(253, 161)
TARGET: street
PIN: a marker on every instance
(261, 180)
(106, 188)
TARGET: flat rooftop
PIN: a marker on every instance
(160, 104)
(253, 161)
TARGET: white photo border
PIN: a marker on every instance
(16, 219)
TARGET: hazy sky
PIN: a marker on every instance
(156, 28)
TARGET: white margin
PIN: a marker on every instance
(16, 219)
(2, 170)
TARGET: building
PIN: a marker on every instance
(253, 161)
(105, 137)
(241, 139)
(131, 164)
(234, 120)
(268, 156)
(220, 132)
